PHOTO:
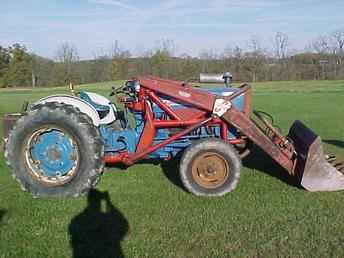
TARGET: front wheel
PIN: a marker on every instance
(55, 151)
(210, 167)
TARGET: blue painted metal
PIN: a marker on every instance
(238, 102)
(117, 141)
(54, 152)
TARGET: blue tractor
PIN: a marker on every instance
(61, 143)
(59, 146)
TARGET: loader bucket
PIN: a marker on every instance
(312, 167)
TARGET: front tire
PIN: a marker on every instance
(54, 150)
(210, 167)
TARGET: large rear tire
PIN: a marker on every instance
(210, 167)
(54, 150)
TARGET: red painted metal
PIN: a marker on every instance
(137, 106)
(179, 83)
(189, 95)
(190, 113)
(236, 141)
(164, 107)
(247, 102)
(224, 131)
(148, 132)
(196, 114)
(118, 158)
(173, 124)
(199, 115)
(138, 155)
(147, 95)
(131, 158)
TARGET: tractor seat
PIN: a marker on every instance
(99, 107)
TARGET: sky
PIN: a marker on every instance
(93, 26)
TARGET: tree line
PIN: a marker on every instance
(323, 58)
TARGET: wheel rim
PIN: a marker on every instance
(210, 170)
(52, 156)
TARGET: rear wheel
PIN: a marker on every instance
(55, 150)
(210, 167)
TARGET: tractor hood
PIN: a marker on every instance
(225, 92)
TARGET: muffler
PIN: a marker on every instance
(312, 167)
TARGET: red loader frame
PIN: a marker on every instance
(191, 118)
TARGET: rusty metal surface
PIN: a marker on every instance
(312, 168)
(247, 102)
(274, 133)
(210, 170)
(281, 155)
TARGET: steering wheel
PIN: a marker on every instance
(116, 91)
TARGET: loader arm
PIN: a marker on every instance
(300, 152)
(180, 91)
(205, 100)
(281, 155)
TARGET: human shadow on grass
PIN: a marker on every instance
(2, 214)
(259, 160)
(337, 143)
(99, 229)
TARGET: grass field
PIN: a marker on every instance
(148, 214)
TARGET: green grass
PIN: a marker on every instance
(151, 216)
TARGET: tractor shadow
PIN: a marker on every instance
(259, 160)
(99, 229)
(170, 169)
(336, 143)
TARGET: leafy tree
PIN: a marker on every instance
(159, 60)
(42, 71)
(19, 72)
(4, 64)
(189, 68)
(100, 69)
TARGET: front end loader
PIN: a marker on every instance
(60, 144)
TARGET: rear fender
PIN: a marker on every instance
(82, 105)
